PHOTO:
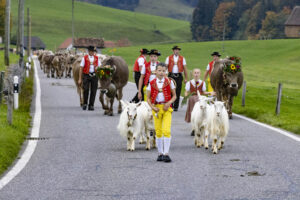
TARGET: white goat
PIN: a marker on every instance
(134, 120)
(199, 121)
(218, 125)
(146, 124)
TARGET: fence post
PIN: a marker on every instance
(9, 104)
(278, 99)
(1, 85)
(244, 93)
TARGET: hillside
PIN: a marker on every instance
(51, 21)
(265, 64)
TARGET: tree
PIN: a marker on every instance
(2, 17)
(254, 24)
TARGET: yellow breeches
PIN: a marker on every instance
(162, 121)
(145, 93)
(209, 87)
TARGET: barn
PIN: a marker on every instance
(292, 24)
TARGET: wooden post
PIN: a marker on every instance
(72, 23)
(278, 99)
(20, 46)
(7, 32)
(28, 32)
(1, 85)
(9, 103)
(18, 28)
(244, 93)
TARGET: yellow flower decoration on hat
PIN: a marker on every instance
(232, 67)
(102, 72)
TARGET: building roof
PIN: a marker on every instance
(66, 43)
(109, 44)
(294, 18)
(36, 43)
(85, 42)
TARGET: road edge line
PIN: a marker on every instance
(29, 150)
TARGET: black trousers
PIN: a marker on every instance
(178, 79)
(90, 86)
(137, 76)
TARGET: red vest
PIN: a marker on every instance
(148, 72)
(211, 66)
(172, 63)
(87, 64)
(194, 89)
(166, 89)
(136, 67)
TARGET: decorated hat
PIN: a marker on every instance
(216, 54)
(144, 51)
(154, 52)
(91, 48)
(176, 47)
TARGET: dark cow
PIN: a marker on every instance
(112, 86)
(226, 83)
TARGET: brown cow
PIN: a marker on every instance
(47, 64)
(113, 85)
(226, 84)
(76, 68)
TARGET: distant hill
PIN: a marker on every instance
(51, 21)
(177, 9)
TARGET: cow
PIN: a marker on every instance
(116, 81)
(76, 68)
(226, 82)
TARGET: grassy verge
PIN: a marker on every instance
(13, 136)
(265, 64)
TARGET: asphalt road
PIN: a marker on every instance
(84, 157)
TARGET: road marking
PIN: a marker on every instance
(25, 157)
(283, 132)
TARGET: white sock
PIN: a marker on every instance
(167, 143)
(159, 143)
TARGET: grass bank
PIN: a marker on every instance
(265, 64)
(13, 136)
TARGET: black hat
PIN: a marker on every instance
(155, 52)
(144, 51)
(91, 48)
(176, 47)
(216, 54)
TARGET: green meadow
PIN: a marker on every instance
(51, 21)
(265, 63)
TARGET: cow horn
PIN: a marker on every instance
(114, 68)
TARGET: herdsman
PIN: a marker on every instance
(148, 73)
(176, 65)
(88, 78)
(139, 63)
(216, 56)
(161, 94)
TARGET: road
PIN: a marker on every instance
(83, 156)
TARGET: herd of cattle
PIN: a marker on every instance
(208, 118)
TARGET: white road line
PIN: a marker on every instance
(25, 157)
(283, 132)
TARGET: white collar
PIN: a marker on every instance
(153, 64)
(175, 56)
(163, 80)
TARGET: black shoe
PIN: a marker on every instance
(167, 158)
(91, 108)
(193, 133)
(84, 107)
(160, 158)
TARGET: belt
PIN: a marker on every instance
(92, 74)
(175, 74)
(160, 102)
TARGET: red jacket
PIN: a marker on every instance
(172, 63)
(211, 66)
(166, 89)
(194, 89)
(87, 64)
(148, 72)
(136, 67)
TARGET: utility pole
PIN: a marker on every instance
(28, 32)
(223, 48)
(20, 45)
(18, 28)
(72, 23)
(7, 32)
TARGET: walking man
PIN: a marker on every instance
(216, 56)
(140, 62)
(87, 77)
(176, 65)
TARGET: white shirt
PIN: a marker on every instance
(193, 82)
(160, 96)
(175, 67)
(207, 68)
(141, 61)
(153, 69)
(91, 58)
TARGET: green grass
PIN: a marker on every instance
(51, 21)
(13, 136)
(265, 64)
(13, 58)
